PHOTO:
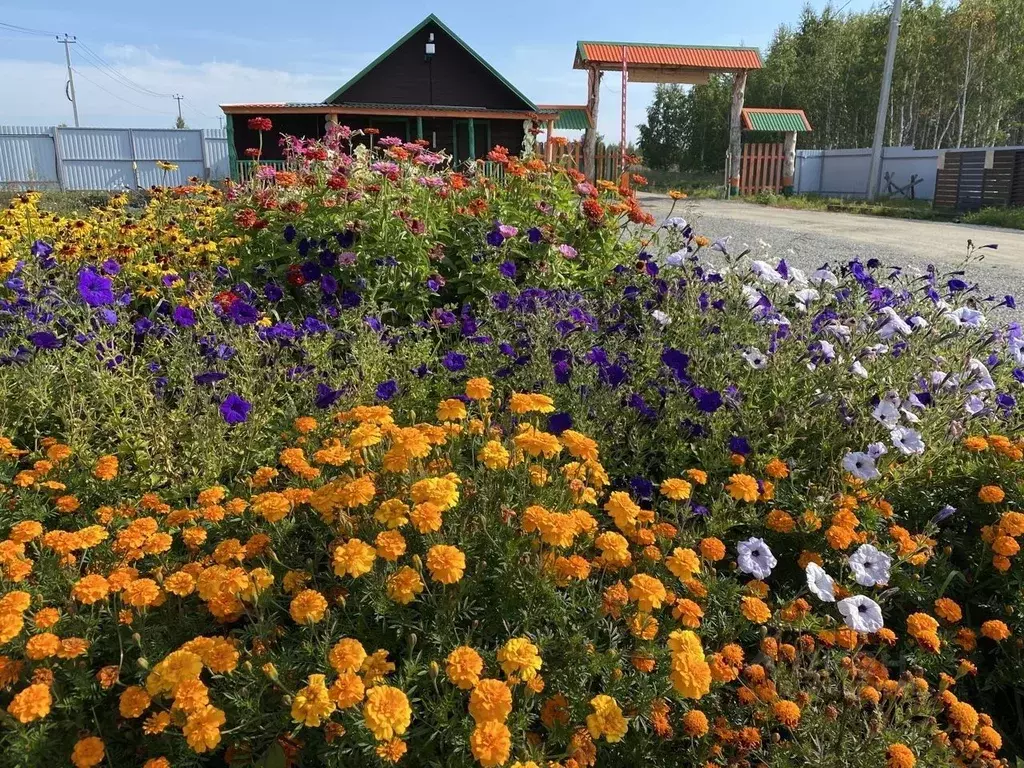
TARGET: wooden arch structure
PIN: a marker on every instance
(650, 63)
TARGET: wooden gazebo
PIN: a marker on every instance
(654, 63)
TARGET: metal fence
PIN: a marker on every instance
(844, 172)
(33, 157)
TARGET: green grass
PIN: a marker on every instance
(898, 208)
(698, 184)
(1012, 218)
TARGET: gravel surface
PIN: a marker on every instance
(807, 239)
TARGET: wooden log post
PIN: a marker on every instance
(739, 87)
(590, 137)
(788, 162)
(549, 148)
(472, 139)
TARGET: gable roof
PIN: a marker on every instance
(570, 117)
(410, 33)
(715, 58)
(764, 119)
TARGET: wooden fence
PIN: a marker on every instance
(980, 178)
(571, 154)
(761, 168)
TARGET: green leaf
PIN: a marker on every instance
(273, 757)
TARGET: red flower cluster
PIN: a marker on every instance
(260, 124)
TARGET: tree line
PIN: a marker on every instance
(958, 82)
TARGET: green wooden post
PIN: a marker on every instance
(232, 154)
(472, 140)
(419, 127)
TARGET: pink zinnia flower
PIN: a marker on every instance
(567, 250)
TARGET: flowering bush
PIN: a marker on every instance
(678, 506)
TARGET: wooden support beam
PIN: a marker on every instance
(549, 148)
(419, 126)
(472, 139)
(590, 137)
(788, 162)
(739, 87)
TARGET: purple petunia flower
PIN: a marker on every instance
(454, 361)
(184, 316)
(243, 313)
(739, 445)
(559, 422)
(386, 390)
(235, 410)
(534, 235)
(328, 284)
(209, 377)
(95, 289)
(495, 238)
(708, 400)
(507, 269)
(326, 396)
(111, 267)
(45, 340)
(272, 292)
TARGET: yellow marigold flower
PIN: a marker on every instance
(392, 751)
(683, 563)
(755, 610)
(190, 696)
(695, 723)
(45, 618)
(948, 610)
(780, 521)
(393, 513)
(1010, 524)
(42, 646)
(742, 488)
(994, 629)
(490, 743)
(899, 756)
(348, 690)
(446, 563)
(1005, 546)
(308, 607)
(31, 703)
(87, 752)
(142, 593)
(648, 592)
(386, 712)
(271, 506)
(490, 700)
(58, 452)
(921, 623)
(687, 613)
(72, 648)
(623, 510)
(426, 517)
(451, 410)
(989, 738)
(528, 403)
(376, 667)
(202, 729)
(975, 444)
(25, 531)
(404, 585)
(442, 491)
(579, 445)
(106, 468)
(463, 667)
(311, 704)
(90, 589)
(354, 557)
(479, 389)
(991, 494)
(606, 719)
(777, 469)
(711, 549)
(494, 455)
(963, 717)
(390, 545)
(787, 712)
(347, 655)
(676, 489)
(519, 659)
(365, 436)
(535, 443)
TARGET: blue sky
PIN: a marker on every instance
(217, 51)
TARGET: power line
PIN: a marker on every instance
(115, 74)
(194, 108)
(121, 98)
(26, 30)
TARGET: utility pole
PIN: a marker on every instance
(178, 97)
(71, 79)
(883, 100)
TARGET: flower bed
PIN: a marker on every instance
(312, 472)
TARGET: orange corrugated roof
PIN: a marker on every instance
(684, 56)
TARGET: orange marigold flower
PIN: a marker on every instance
(899, 756)
(994, 629)
(948, 610)
(712, 549)
(991, 494)
(742, 488)
(87, 752)
(31, 703)
(308, 607)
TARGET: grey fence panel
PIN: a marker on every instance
(844, 172)
(171, 145)
(27, 160)
(95, 144)
(216, 141)
(89, 175)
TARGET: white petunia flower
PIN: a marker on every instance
(755, 358)
(907, 440)
(877, 449)
(861, 613)
(858, 369)
(895, 325)
(861, 466)
(767, 272)
(965, 316)
(822, 585)
(824, 277)
(755, 558)
(980, 378)
(974, 405)
(887, 412)
(662, 318)
(870, 566)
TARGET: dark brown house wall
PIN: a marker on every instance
(308, 126)
(452, 78)
(507, 133)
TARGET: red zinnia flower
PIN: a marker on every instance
(337, 181)
(592, 209)
(295, 276)
(246, 218)
(260, 124)
(253, 152)
(225, 299)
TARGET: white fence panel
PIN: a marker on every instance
(844, 172)
(108, 158)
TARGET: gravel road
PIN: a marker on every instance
(807, 239)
